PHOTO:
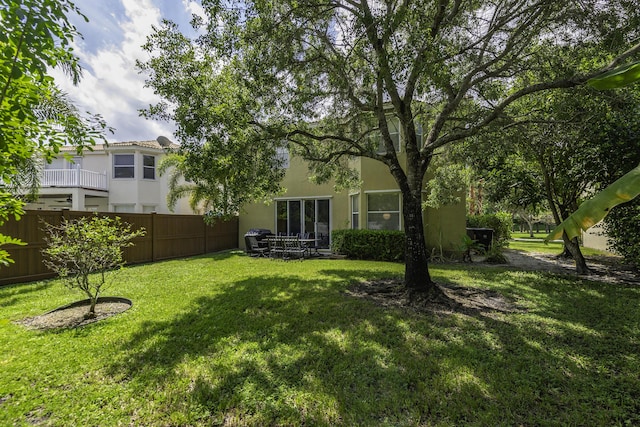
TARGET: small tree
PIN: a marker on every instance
(80, 248)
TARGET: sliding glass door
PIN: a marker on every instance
(306, 217)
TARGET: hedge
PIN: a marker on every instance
(378, 245)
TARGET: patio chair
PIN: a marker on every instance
(294, 249)
(276, 247)
(256, 249)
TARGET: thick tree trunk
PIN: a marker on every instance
(416, 274)
(573, 247)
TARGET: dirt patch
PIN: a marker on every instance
(392, 293)
(607, 269)
(472, 301)
(73, 315)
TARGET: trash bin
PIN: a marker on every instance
(259, 234)
(484, 236)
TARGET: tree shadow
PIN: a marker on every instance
(276, 350)
(13, 294)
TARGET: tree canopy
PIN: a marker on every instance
(35, 116)
(332, 80)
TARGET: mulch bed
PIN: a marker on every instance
(73, 315)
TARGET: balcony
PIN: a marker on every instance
(74, 178)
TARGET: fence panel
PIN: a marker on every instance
(167, 236)
(178, 235)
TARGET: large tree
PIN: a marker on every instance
(327, 78)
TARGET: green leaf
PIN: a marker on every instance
(592, 211)
(616, 78)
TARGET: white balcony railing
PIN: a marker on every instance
(74, 178)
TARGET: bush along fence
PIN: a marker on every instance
(378, 245)
(166, 237)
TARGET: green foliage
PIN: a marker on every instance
(36, 118)
(334, 81)
(84, 251)
(468, 244)
(448, 184)
(379, 245)
(617, 78)
(623, 229)
(495, 255)
(593, 210)
(500, 222)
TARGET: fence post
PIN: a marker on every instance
(154, 237)
(204, 230)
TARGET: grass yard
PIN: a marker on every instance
(536, 244)
(232, 340)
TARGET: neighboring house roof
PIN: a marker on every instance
(154, 144)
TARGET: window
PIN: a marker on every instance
(394, 132)
(123, 166)
(149, 167)
(355, 211)
(282, 157)
(148, 208)
(383, 211)
(128, 208)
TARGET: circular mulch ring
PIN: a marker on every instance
(73, 315)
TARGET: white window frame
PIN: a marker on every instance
(355, 211)
(146, 168)
(384, 213)
(132, 166)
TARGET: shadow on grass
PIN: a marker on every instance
(281, 350)
(13, 294)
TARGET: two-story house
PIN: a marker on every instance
(310, 208)
(118, 177)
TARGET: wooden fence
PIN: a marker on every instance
(167, 236)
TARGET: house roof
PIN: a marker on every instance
(154, 144)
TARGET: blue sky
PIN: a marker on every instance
(111, 85)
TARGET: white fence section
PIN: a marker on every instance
(74, 178)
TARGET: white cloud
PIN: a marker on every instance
(111, 85)
(194, 8)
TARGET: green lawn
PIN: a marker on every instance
(232, 340)
(536, 244)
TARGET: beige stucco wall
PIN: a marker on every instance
(444, 227)
(297, 186)
(596, 238)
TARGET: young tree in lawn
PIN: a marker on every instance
(83, 252)
(329, 79)
(36, 118)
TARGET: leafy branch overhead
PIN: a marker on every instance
(624, 189)
(395, 82)
(36, 118)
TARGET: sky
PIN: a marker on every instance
(111, 85)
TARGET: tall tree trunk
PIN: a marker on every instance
(416, 273)
(572, 246)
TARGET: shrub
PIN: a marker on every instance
(378, 245)
(623, 229)
(87, 246)
(500, 222)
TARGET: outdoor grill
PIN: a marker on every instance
(259, 234)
